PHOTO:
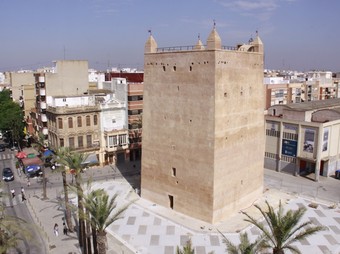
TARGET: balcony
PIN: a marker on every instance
(45, 131)
(43, 118)
(43, 105)
(118, 147)
(42, 79)
(42, 91)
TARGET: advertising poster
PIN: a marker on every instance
(308, 144)
(289, 147)
(325, 139)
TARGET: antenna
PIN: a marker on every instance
(214, 23)
(149, 31)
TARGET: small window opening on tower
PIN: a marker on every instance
(174, 68)
(190, 68)
(163, 68)
(173, 171)
(225, 94)
(171, 201)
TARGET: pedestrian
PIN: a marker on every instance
(23, 197)
(65, 230)
(13, 193)
(56, 229)
(28, 182)
(22, 190)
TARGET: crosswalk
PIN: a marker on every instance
(6, 156)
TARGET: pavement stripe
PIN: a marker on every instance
(331, 239)
(335, 229)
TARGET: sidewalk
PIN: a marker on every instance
(147, 228)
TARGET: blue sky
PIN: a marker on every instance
(297, 34)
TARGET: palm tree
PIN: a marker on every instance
(40, 144)
(245, 247)
(74, 161)
(283, 229)
(187, 249)
(103, 212)
(61, 154)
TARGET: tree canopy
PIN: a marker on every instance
(11, 116)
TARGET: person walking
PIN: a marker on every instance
(65, 230)
(13, 193)
(23, 196)
(28, 182)
(56, 229)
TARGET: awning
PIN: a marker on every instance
(21, 155)
(91, 159)
(32, 168)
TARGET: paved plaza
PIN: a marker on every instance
(147, 228)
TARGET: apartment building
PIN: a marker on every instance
(304, 138)
(319, 86)
(66, 78)
(135, 109)
(94, 124)
(74, 122)
(281, 91)
(114, 122)
(202, 124)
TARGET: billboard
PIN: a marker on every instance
(289, 147)
(308, 144)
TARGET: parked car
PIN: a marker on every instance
(2, 147)
(7, 175)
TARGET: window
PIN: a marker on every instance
(88, 121)
(122, 139)
(112, 141)
(80, 142)
(60, 123)
(70, 122)
(71, 142)
(272, 133)
(61, 142)
(95, 119)
(79, 121)
(173, 171)
(88, 140)
(171, 201)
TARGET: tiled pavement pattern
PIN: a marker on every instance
(148, 228)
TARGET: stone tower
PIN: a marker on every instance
(203, 127)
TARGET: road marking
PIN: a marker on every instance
(6, 156)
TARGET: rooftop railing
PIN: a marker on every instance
(188, 48)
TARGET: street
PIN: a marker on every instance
(32, 243)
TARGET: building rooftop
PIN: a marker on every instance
(314, 105)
